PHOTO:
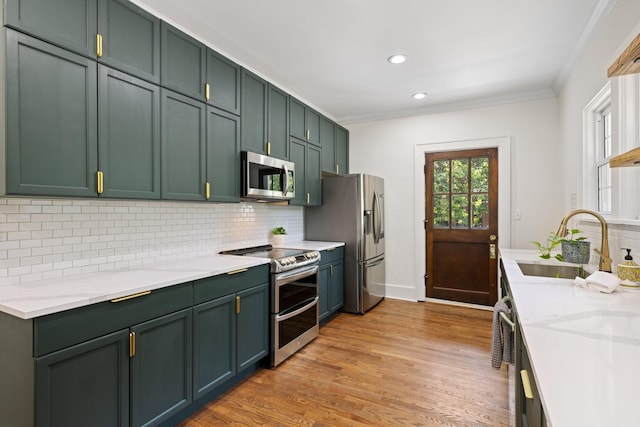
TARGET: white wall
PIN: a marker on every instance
(386, 148)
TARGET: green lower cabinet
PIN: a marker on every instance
(214, 344)
(253, 325)
(51, 98)
(331, 282)
(85, 385)
(161, 368)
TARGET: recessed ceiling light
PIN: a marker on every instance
(397, 59)
(420, 95)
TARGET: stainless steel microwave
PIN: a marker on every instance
(267, 178)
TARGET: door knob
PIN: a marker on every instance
(493, 237)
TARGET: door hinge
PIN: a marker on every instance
(425, 221)
(424, 169)
(426, 277)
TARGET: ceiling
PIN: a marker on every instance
(333, 54)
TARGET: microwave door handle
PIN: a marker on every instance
(286, 180)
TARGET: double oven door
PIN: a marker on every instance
(294, 311)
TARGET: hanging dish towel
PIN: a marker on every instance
(501, 337)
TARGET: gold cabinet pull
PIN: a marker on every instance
(132, 344)
(207, 91)
(308, 135)
(127, 297)
(99, 45)
(526, 384)
(207, 190)
(337, 169)
(242, 270)
(331, 269)
(268, 148)
(237, 305)
(100, 177)
(308, 198)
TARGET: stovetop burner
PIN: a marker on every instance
(282, 259)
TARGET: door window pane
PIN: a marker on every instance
(480, 211)
(459, 211)
(480, 175)
(441, 176)
(441, 211)
(460, 175)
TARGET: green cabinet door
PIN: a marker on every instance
(254, 113)
(323, 292)
(183, 62)
(161, 368)
(223, 155)
(183, 147)
(336, 294)
(298, 155)
(314, 175)
(51, 119)
(278, 123)
(327, 142)
(223, 78)
(342, 151)
(130, 39)
(214, 344)
(313, 126)
(297, 114)
(129, 135)
(71, 24)
(85, 385)
(253, 325)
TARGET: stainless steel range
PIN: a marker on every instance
(294, 297)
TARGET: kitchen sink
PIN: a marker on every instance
(555, 271)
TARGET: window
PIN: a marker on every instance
(611, 126)
(603, 150)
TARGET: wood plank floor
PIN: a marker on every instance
(403, 363)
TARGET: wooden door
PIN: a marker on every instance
(462, 225)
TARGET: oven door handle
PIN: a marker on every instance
(294, 275)
(305, 307)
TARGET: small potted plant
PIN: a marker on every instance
(575, 249)
(277, 236)
(545, 249)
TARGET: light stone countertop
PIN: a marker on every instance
(584, 346)
(36, 299)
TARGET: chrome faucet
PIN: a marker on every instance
(605, 260)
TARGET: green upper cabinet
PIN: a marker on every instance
(307, 159)
(183, 62)
(328, 144)
(71, 24)
(254, 113)
(314, 176)
(51, 119)
(304, 123)
(222, 88)
(298, 155)
(342, 150)
(183, 147)
(223, 156)
(278, 121)
(130, 39)
(335, 148)
(265, 113)
(128, 135)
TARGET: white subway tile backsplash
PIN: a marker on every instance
(51, 238)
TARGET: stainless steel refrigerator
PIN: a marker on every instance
(352, 211)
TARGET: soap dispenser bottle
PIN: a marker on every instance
(629, 270)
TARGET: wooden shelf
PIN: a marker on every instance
(630, 158)
(628, 62)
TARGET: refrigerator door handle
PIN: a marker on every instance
(377, 227)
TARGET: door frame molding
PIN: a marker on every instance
(503, 144)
